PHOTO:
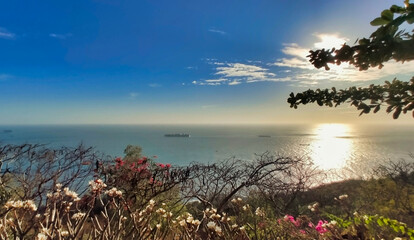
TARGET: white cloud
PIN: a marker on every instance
(235, 82)
(60, 36)
(244, 70)
(6, 34)
(154, 85)
(216, 80)
(213, 30)
(238, 73)
(306, 74)
(329, 41)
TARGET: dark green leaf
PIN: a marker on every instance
(378, 22)
(387, 15)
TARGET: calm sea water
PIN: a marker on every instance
(328, 145)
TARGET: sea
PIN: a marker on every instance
(355, 148)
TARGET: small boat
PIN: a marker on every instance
(267, 136)
(177, 135)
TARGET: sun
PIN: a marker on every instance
(329, 41)
(332, 146)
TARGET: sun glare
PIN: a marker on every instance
(329, 41)
(332, 145)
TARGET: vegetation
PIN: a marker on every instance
(268, 198)
(388, 42)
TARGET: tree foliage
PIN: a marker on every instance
(388, 42)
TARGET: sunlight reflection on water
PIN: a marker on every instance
(332, 145)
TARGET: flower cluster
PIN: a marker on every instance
(25, 205)
(342, 197)
(114, 193)
(259, 212)
(314, 207)
(97, 185)
(290, 218)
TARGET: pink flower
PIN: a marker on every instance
(119, 162)
(289, 218)
(168, 165)
(320, 227)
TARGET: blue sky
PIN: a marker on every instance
(131, 62)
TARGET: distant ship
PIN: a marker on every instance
(177, 135)
(268, 136)
(7, 131)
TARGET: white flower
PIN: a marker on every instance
(78, 216)
(218, 229)
(196, 222)
(113, 192)
(246, 207)
(342, 197)
(190, 219)
(29, 205)
(71, 194)
(26, 205)
(215, 216)
(161, 211)
(41, 236)
(182, 223)
(97, 185)
(211, 225)
(158, 225)
(64, 233)
(259, 212)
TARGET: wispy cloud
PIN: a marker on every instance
(5, 34)
(154, 85)
(192, 67)
(303, 73)
(238, 73)
(5, 77)
(60, 36)
(133, 95)
(214, 30)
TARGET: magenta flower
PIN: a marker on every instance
(320, 228)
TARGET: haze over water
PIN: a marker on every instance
(330, 146)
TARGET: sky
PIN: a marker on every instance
(179, 62)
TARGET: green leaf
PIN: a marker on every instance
(396, 9)
(387, 15)
(380, 223)
(410, 18)
(378, 22)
